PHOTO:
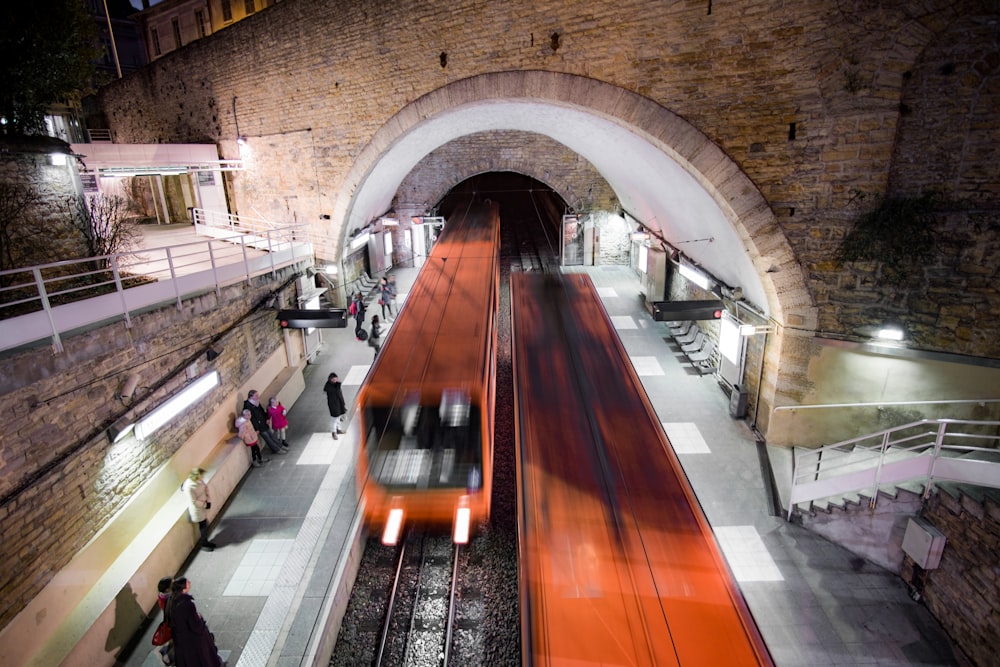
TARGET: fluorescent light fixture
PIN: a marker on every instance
(176, 404)
(747, 330)
(120, 429)
(890, 333)
(362, 239)
(695, 276)
(390, 222)
(393, 527)
(730, 342)
(330, 269)
(461, 533)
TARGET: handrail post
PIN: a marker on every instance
(57, 346)
(270, 251)
(938, 442)
(215, 271)
(878, 469)
(121, 290)
(173, 278)
(795, 470)
(246, 260)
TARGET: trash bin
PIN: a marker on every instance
(738, 402)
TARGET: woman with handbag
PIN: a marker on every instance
(194, 645)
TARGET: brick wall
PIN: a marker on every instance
(963, 592)
(812, 104)
(61, 479)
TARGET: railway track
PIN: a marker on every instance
(423, 604)
(486, 629)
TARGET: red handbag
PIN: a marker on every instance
(162, 634)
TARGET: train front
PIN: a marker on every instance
(426, 409)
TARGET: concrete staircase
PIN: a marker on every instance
(872, 525)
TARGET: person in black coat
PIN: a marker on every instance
(359, 314)
(335, 401)
(258, 417)
(194, 645)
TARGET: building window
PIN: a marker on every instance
(199, 20)
(155, 36)
(250, 7)
(227, 11)
(176, 24)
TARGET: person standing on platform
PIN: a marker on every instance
(162, 598)
(386, 296)
(358, 308)
(375, 337)
(194, 644)
(249, 437)
(335, 401)
(199, 502)
(258, 416)
(277, 417)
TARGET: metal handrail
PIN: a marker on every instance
(880, 404)
(939, 437)
(176, 271)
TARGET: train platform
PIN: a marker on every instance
(281, 533)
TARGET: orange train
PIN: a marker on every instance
(426, 408)
(618, 564)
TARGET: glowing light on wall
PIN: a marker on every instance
(695, 276)
(388, 243)
(361, 240)
(176, 404)
(729, 340)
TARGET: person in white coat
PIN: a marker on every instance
(199, 502)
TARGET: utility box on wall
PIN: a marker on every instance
(923, 543)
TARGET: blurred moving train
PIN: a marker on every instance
(426, 408)
(618, 564)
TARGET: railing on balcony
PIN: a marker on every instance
(47, 301)
(928, 450)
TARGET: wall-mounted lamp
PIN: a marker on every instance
(241, 140)
(695, 276)
(120, 429)
(57, 159)
(890, 332)
(176, 404)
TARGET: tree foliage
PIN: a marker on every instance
(48, 50)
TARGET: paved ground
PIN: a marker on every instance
(281, 533)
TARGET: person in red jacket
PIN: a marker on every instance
(277, 416)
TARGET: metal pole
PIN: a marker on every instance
(111, 33)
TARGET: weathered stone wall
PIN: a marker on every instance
(39, 229)
(61, 479)
(962, 593)
(813, 104)
(535, 155)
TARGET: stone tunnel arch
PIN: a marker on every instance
(747, 247)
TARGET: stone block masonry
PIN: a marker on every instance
(61, 479)
(963, 592)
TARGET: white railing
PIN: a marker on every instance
(49, 300)
(928, 450)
